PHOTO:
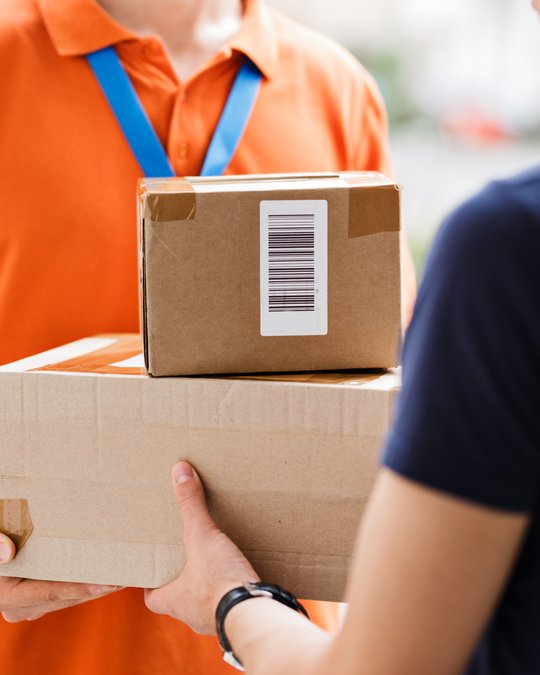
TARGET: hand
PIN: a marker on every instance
(214, 565)
(26, 599)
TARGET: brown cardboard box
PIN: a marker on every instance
(270, 273)
(88, 442)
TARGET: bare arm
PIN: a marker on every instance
(427, 574)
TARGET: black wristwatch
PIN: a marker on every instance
(245, 592)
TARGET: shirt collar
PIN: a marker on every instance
(257, 38)
(77, 27)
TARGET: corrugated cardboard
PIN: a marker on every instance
(89, 441)
(201, 264)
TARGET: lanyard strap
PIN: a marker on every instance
(141, 135)
(130, 114)
(233, 120)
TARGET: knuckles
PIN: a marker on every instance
(48, 596)
(154, 602)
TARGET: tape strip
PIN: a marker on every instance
(316, 377)
(165, 206)
(99, 361)
(373, 202)
(15, 520)
(374, 207)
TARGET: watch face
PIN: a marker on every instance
(230, 658)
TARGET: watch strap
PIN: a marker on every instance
(245, 592)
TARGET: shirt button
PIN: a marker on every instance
(183, 150)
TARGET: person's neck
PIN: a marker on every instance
(192, 30)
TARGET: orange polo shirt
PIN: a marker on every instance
(68, 241)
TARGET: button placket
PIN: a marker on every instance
(182, 151)
(179, 147)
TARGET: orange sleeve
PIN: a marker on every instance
(372, 153)
(325, 614)
(369, 122)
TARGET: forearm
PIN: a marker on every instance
(271, 639)
(416, 607)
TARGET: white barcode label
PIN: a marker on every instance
(294, 267)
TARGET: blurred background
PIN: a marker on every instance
(461, 82)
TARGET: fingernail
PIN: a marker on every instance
(5, 552)
(182, 472)
(101, 590)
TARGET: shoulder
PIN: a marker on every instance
(20, 21)
(332, 83)
(320, 56)
(500, 224)
(503, 199)
(483, 267)
(471, 354)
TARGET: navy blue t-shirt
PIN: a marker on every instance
(468, 416)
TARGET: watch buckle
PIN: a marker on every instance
(230, 658)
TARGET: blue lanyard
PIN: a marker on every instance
(141, 135)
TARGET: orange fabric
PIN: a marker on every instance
(116, 635)
(68, 241)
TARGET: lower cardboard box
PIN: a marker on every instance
(88, 441)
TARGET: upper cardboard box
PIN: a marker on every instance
(88, 442)
(270, 273)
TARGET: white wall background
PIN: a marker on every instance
(453, 56)
(484, 53)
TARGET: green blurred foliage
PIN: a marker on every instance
(387, 68)
(420, 246)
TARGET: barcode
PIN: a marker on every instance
(291, 262)
(294, 267)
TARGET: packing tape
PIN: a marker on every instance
(167, 206)
(374, 207)
(373, 203)
(100, 360)
(128, 346)
(15, 520)
(315, 377)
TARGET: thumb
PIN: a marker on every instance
(190, 498)
(7, 549)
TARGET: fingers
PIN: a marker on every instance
(16, 616)
(36, 612)
(32, 593)
(27, 600)
(26, 594)
(7, 549)
(191, 500)
(33, 613)
(213, 565)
